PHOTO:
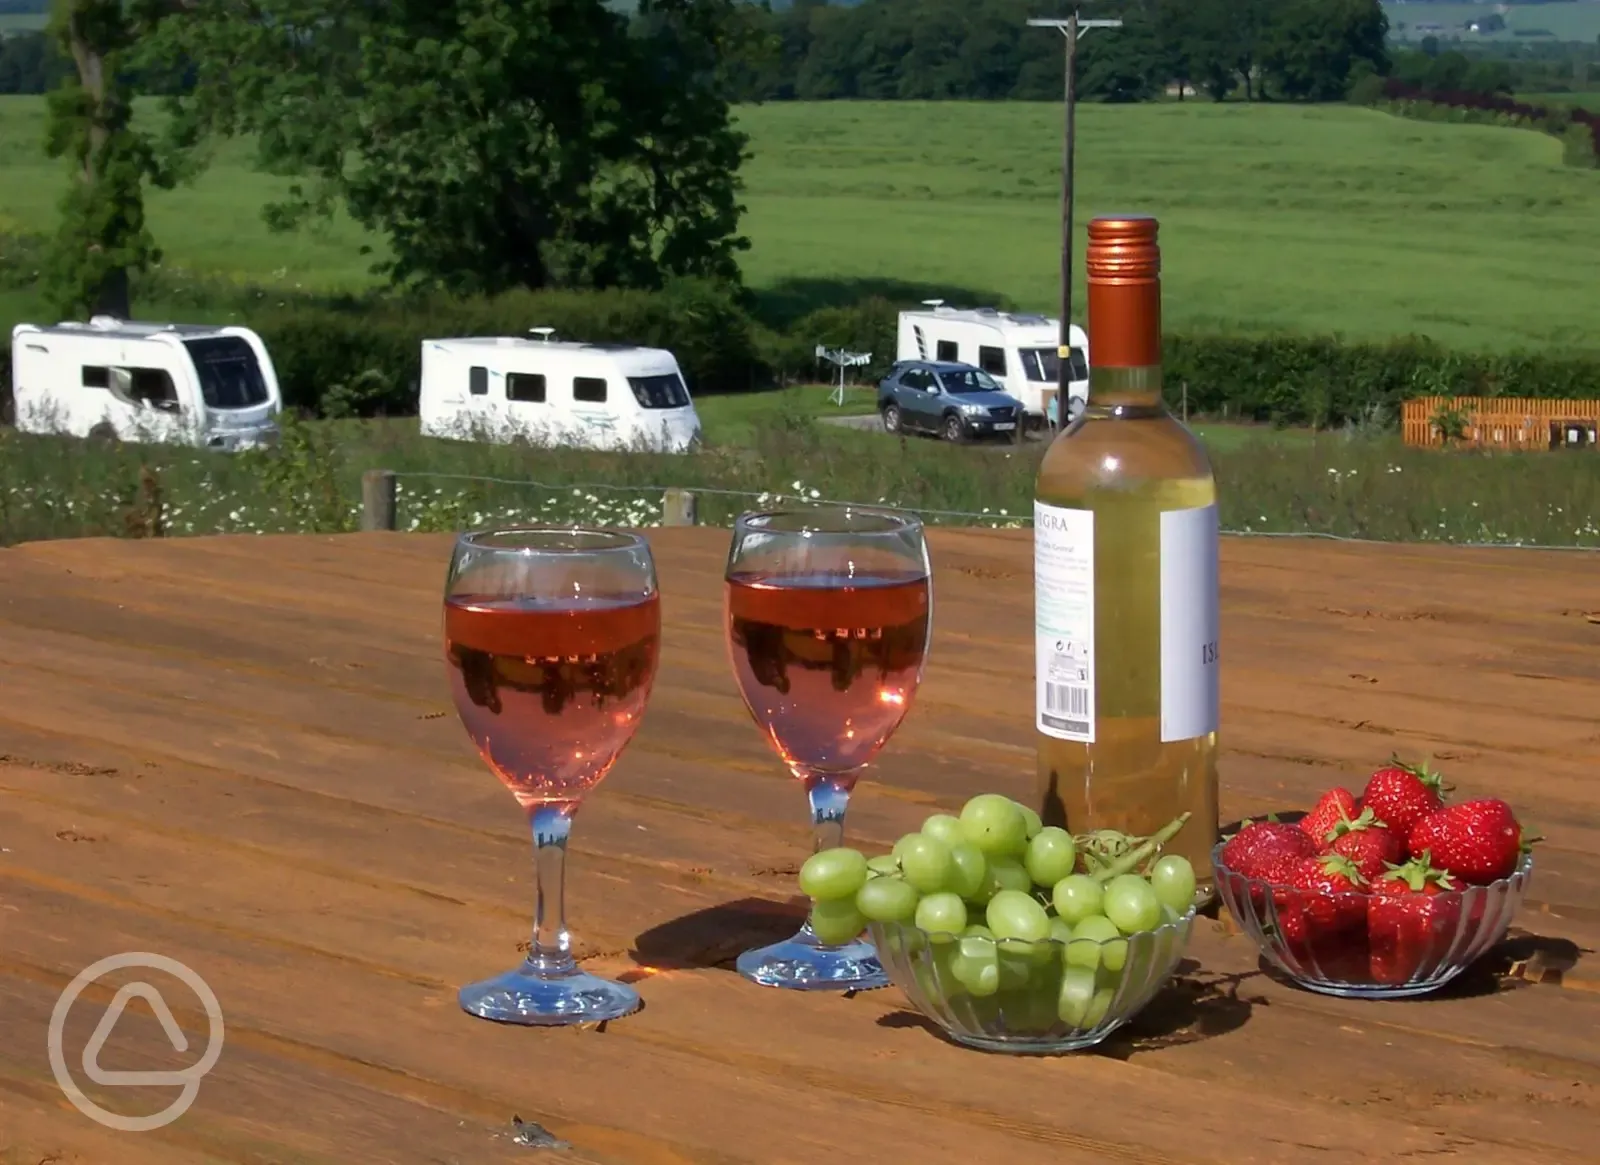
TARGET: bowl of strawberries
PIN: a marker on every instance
(1387, 895)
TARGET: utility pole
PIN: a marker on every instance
(1071, 28)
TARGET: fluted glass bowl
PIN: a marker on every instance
(1052, 996)
(1397, 959)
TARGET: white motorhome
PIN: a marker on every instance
(596, 396)
(1019, 351)
(189, 384)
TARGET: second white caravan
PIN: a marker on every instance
(596, 396)
(1019, 351)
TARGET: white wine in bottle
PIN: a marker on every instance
(1125, 575)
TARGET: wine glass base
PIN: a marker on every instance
(803, 964)
(526, 997)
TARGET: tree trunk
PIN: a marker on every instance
(113, 297)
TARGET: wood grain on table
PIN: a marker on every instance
(240, 752)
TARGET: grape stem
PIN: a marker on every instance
(1141, 853)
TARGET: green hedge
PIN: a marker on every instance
(361, 357)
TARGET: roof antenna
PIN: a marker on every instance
(543, 333)
(935, 304)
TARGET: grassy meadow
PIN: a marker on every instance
(1569, 20)
(1315, 219)
(1351, 484)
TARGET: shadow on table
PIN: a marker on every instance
(1196, 1005)
(718, 935)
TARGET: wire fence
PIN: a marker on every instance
(991, 517)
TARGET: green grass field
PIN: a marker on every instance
(1572, 20)
(1589, 99)
(1314, 219)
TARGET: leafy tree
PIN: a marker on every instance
(496, 143)
(102, 237)
(1313, 46)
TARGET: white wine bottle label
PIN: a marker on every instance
(1190, 621)
(1063, 622)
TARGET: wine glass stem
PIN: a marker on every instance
(551, 953)
(830, 797)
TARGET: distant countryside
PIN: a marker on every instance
(1359, 204)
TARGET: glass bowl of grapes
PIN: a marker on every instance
(1402, 928)
(1009, 935)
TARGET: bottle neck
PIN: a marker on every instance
(1125, 348)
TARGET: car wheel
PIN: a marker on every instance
(103, 432)
(954, 432)
(891, 418)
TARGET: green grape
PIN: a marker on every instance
(1077, 897)
(977, 930)
(887, 899)
(836, 921)
(1016, 914)
(833, 874)
(1050, 856)
(1096, 942)
(1031, 825)
(1059, 930)
(943, 913)
(1172, 878)
(1016, 968)
(1081, 1001)
(926, 864)
(976, 966)
(969, 872)
(942, 827)
(1132, 904)
(1042, 995)
(900, 846)
(1006, 874)
(994, 824)
(884, 864)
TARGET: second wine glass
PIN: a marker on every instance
(829, 612)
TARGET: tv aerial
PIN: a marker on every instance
(842, 359)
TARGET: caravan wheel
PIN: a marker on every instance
(105, 434)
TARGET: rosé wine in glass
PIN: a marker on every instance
(551, 640)
(828, 615)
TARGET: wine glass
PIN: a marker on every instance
(828, 616)
(551, 637)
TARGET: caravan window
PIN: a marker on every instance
(589, 390)
(230, 378)
(478, 381)
(992, 360)
(948, 351)
(95, 376)
(1043, 365)
(527, 387)
(660, 392)
(153, 385)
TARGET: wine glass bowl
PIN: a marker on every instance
(828, 616)
(552, 635)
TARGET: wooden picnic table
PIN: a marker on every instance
(240, 753)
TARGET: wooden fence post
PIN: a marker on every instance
(378, 499)
(679, 508)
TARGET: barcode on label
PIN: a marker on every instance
(1066, 707)
(1066, 700)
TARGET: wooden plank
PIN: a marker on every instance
(239, 752)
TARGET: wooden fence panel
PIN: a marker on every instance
(1505, 422)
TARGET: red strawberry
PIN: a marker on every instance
(1400, 795)
(1369, 843)
(1334, 806)
(1412, 918)
(1323, 913)
(1266, 850)
(1477, 841)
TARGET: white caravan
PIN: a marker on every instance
(188, 384)
(596, 396)
(1019, 351)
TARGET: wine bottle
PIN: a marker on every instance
(1125, 577)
